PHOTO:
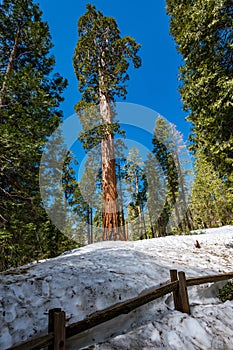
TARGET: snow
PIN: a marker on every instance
(94, 277)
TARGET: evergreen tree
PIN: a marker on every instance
(29, 101)
(90, 184)
(171, 154)
(181, 219)
(210, 201)
(120, 162)
(163, 144)
(203, 31)
(157, 191)
(136, 186)
(120, 154)
(101, 60)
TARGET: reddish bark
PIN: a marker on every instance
(111, 229)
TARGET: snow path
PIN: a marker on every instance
(99, 275)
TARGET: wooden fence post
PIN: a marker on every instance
(56, 325)
(180, 296)
(176, 297)
(183, 294)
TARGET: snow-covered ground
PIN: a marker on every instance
(99, 275)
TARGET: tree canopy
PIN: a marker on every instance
(102, 56)
(203, 31)
(30, 95)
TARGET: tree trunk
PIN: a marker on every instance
(144, 222)
(163, 220)
(126, 230)
(90, 239)
(140, 223)
(120, 204)
(9, 67)
(152, 225)
(140, 218)
(91, 225)
(110, 216)
(88, 225)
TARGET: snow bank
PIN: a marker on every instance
(99, 275)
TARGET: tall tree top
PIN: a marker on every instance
(22, 30)
(26, 66)
(102, 56)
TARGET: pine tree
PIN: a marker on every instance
(203, 31)
(90, 184)
(136, 186)
(101, 60)
(29, 101)
(163, 144)
(171, 154)
(120, 162)
(157, 191)
(210, 201)
(181, 218)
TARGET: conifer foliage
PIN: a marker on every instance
(203, 31)
(29, 113)
(210, 199)
(170, 152)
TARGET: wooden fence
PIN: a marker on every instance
(58, 332)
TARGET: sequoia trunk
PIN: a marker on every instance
(110, 212)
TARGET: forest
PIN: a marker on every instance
(45, 207)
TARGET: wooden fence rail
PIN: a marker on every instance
(58, 332)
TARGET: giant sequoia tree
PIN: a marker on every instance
(203, 31)
(29, 101)
(101, 60)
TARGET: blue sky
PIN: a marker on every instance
(155, 84)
